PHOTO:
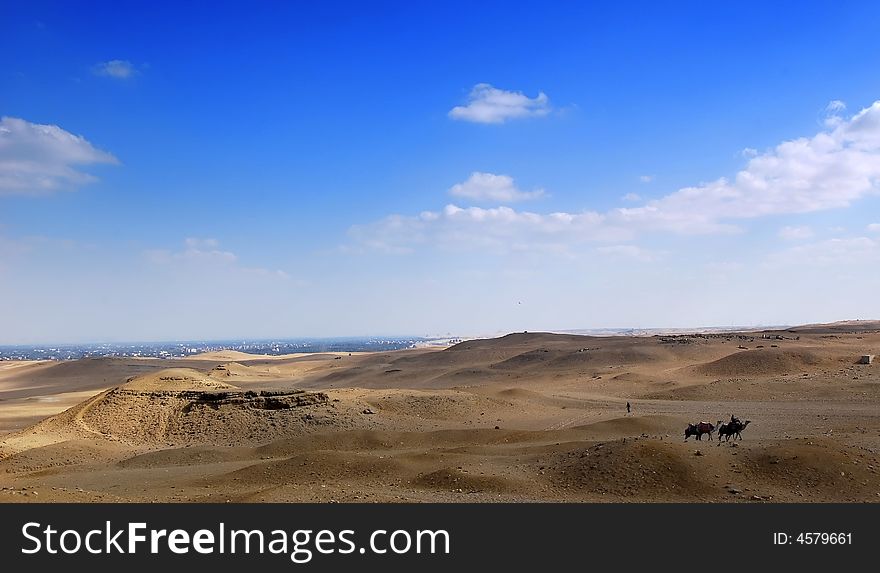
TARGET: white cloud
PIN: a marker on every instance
(119, 69)
(795, 233)
(632, 197)
(488, 187)
(646, 178)
(830, 170)
(874, 228)
(487, 104)
(36, 158)
(749, 152)
(498, 229)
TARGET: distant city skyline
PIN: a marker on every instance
(266, 171)
(178, 349)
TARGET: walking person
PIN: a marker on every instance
(628, 408)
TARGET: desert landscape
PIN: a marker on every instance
(524, 417)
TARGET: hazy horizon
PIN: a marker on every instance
(284, 171)
(433, 335)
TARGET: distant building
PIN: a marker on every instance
(866, 359)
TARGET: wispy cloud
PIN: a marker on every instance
(37, 158)
(487, 187)
(724, 267)
(497, 229)
(874, 228)
(17, 251)
(10, 247)
(632, 197)
(830, 252)
(208, 252)
(646, 178)
(487, 104)
(833, 113)
(795, 233)
(835, 106)
(195, 249)
(118, 69)
(724, 271)
(630, 252)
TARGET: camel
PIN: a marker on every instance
(699, 429)
(742, 427)
(732, 428)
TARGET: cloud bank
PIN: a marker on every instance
(830, 170)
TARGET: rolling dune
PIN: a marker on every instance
(524, 417)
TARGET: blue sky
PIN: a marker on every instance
(257, 169)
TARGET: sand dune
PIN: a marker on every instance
(763, 362)
(238, 356)
(528, 416)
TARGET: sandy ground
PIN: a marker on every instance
(526, 417)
